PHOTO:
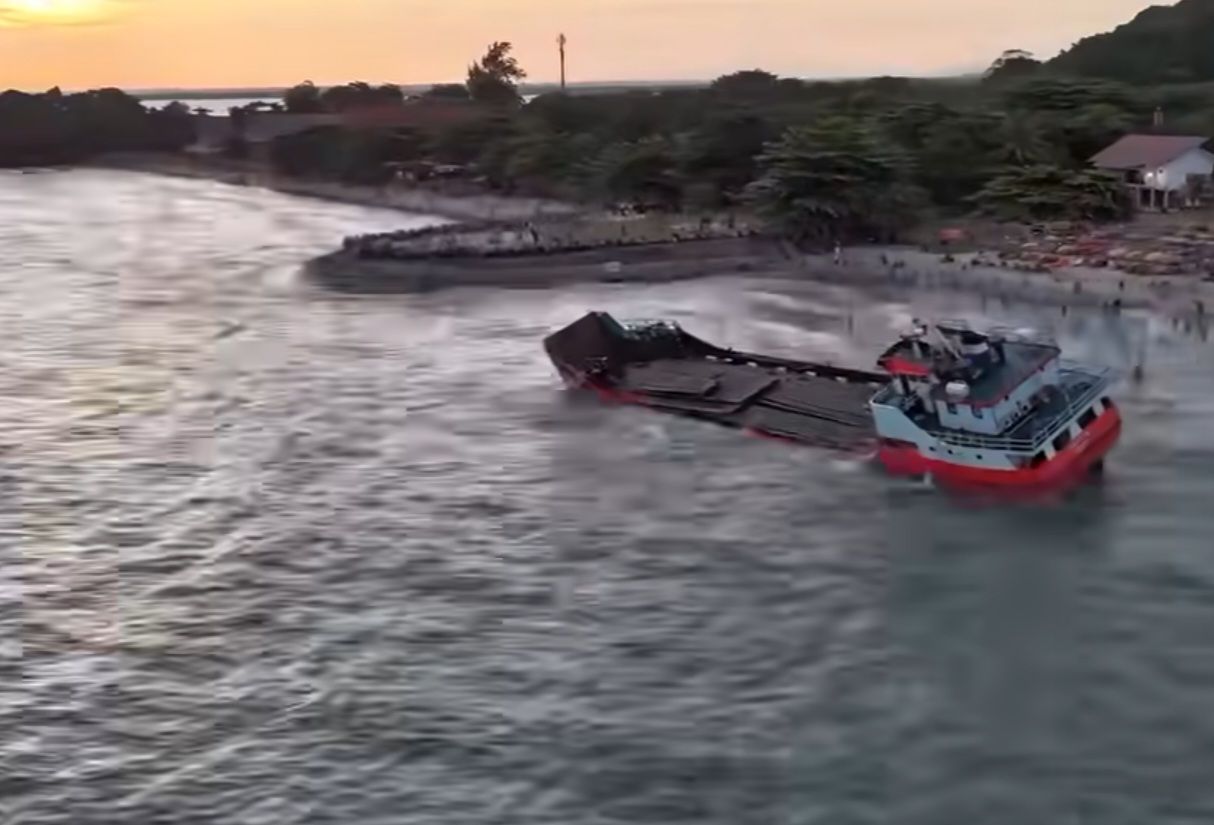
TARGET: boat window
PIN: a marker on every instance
(1038, 460)
(978, 412)
(952, 409)
(1108, 403)
(1087, 418)
(1063, 439)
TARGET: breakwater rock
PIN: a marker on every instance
(349, 271)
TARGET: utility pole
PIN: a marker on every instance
(561, 41)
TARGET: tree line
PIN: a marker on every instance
(820, 159)
(53, 128)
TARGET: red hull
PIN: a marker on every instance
(1066, 469)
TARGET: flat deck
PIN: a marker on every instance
(800, 407)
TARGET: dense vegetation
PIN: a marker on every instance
(822, 160)
(55, 128)
(1163, 44)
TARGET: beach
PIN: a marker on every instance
(1181, 297)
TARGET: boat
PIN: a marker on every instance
(997, 409)
(964, 408)
(657, 364)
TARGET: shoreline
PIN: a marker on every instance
(639, 263)
(1181, 297)
(478, 208)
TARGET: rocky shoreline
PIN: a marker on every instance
(347, 271)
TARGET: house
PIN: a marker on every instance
(1164, 171)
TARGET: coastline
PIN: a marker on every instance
(1180, 297)
(476, 208)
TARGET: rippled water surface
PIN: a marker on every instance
(272, 555)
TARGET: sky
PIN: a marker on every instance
(142, 44)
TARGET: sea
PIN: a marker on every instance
(276, 555)
(221, 106)
(212, 105)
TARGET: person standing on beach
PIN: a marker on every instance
(838, 253)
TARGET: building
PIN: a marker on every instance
(1164, 171)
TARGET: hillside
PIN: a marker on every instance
(1163, 44)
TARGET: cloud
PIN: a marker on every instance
(25, 14)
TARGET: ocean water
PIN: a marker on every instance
(273, 555)
(214, 105)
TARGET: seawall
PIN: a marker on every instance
(642, 263)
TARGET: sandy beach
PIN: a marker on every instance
(1182, 297)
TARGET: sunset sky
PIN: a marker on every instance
(218, 43)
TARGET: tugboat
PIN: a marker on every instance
(991, 410)
(964, 408)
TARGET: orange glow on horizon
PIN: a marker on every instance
(236, 43)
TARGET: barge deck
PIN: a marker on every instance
(661, 366)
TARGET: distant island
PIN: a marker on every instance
(814, 160)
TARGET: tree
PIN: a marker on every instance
(1053, 193)
(464, 142)
(747, 85)
(1013, 64)
(1023, 141)
(494, 78)
(722, 154)
(360, 95)
(303, 98)
(1055, 94)
(644, 171)
(836, 179)
(447, 91)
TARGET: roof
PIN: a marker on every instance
(1022, 359)
(1146, 151)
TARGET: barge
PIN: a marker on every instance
(961, 407)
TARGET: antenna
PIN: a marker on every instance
(561, 41)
